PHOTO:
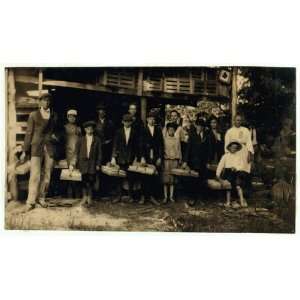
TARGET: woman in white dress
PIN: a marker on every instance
(243, 136)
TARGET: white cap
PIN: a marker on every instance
(72, 112)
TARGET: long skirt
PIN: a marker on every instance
(169, 164)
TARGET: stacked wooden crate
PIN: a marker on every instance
(178, 83)
(153, 82)
(120, 79)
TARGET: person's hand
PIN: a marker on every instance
(143, 161)
(250, 157)
(184, 165)
(113, 161)
(158, 162)
(233, 169)
(71, 168)
(54, 137)
(207, 165)
(98, 168)
(22, 156)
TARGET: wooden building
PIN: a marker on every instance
(84, 88)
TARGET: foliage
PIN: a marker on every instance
(267, 96)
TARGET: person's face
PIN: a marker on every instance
(171, 131)
(174, 116)
(151, 121)
(127, 124)
(233, 148)
(199, 128)
(71, 119)
(89, 130)
(238, 121)
(45, 103)
(132, 110)
(213, 124)
(101, 113)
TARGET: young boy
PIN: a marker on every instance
(152, 151)
(172, 158)
(231, 167)
(89, 160)
(72, 137)
(126, 149)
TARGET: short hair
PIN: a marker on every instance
(171, 125)
(45, 97)
(132, 103)
(175, 111)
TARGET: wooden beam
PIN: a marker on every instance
(12, 123)
(40, 82)
(140, 83)
(234, 94)
(144, 109)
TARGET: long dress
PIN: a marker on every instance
(243, 136)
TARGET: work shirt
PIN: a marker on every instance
(242, 135)
(89, 140)
(230, 160)
(127, 134)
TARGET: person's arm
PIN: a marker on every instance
(160, 146)
(29, 134)
(220, 168)
(115, 151)
(226, 140)
(99, 155)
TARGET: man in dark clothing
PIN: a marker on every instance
(126, 149)
(137, 123)
(152, 153)
(105, 131)
(196, 157)
(40, 142)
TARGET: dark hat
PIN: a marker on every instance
(151, 114)
(100, 106)
(172, 125)
(239, 145)
(89, 124)
(127, 118)
(45, 96)
(200, 122)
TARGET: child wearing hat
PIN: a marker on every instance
(89, 160)
(126, 150)
(231, 168)
(72, 137)
(172, 158)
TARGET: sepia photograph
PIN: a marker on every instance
(168, 149)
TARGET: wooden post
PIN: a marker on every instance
(40, 82)
(143, 99)
(12, 124)
(144, 109)
(234, 94)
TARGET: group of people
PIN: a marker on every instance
(195, 145)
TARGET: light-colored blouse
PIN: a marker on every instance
(172, 149)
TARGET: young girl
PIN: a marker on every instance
(89, 160)
(231, 167)
(72, 136)
(172, 158)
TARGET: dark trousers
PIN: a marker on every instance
(149, 185)
(130, 178)
(88, 181)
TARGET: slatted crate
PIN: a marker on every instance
(153, 82)
(178, 85)
(198, 82)
(120, 79)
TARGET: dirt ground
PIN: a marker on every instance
(210, 216)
